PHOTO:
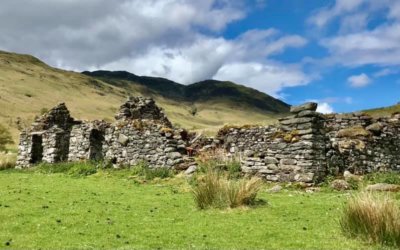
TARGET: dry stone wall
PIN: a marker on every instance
(130, 143)
(362, 144)
(306, 146)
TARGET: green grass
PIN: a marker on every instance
(110, 210)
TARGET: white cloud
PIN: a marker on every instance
(325, 108)
(187, 64)
(379, 46)
(324, 105)
(178, 39)
(358, 81)
(385, 72)
(79, 34)
(356, 42)
(241, 60)
(325, 15)
(268, 77)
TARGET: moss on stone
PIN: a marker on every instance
(353, 132)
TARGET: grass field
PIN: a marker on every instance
(110, 210)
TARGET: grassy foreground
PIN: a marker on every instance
(113, 211)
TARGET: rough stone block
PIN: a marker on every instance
(306, 106)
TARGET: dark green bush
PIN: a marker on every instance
(7, 161)
(389, 177)
(82, 169)
(354, 183)
(5, 138)
(75, 169)
(232, 168)
(143, 169)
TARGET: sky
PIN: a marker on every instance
(343, 54)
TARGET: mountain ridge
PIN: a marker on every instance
(198, 91)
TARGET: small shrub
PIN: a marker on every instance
(234, 169)
(75, 169)
(217, 160)
(44, 111)
(142, 169)
(354, 183)
(48, 168)
(389, 178)
(216, 190)
(7, 161)
(193, 110)
(372, 218)
(82, 169)
(5, 138)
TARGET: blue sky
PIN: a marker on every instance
(378, 82)
(344, 54)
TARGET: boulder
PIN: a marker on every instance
(275, 189)
(349, 176)
(383, 187)
(191, 170)
(306, 106)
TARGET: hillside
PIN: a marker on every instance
(385, 111)
(29, 87)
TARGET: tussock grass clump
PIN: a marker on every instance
(218, 191)
(7, 161)
(373, 218)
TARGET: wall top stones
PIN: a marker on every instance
(59, 116)
(140, 108)
(311, 106)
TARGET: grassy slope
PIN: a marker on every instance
(111, 211)
(27, 85)
(383, 111)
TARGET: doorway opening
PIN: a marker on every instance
(37, 149)
(96, 140)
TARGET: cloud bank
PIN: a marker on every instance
(178, 39)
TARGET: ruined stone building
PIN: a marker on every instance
(303, 147)
(141, 132)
